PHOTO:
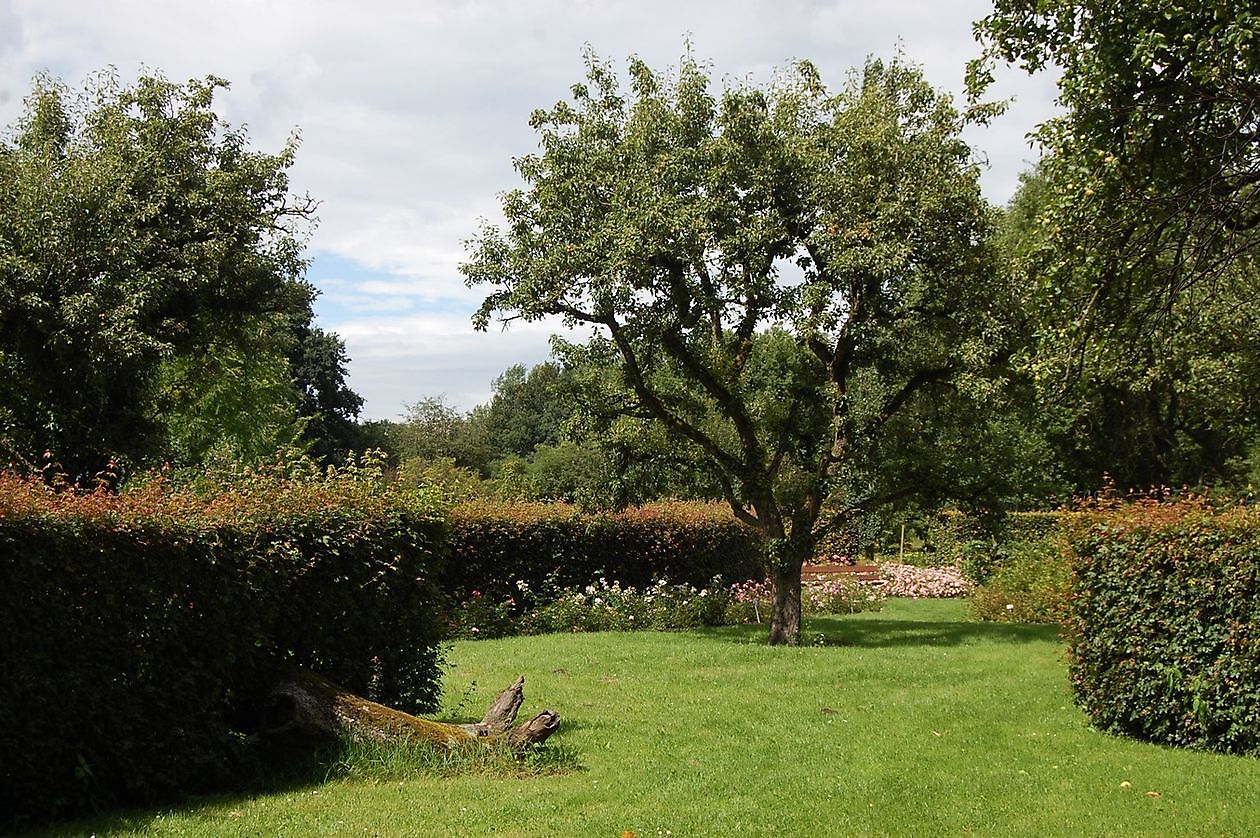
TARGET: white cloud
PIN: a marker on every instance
(410, 114)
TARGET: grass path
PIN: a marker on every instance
(911, 721)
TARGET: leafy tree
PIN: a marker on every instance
(432, 430)
(783, 280)
(235, 397)
(317, 363)
(138, 233)
(1155, 164)
(1167, 402)
(528, 409)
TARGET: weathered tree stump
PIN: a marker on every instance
(309, 707)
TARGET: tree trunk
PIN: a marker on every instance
(785, 607)
(311, 708)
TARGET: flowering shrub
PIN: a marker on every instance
(751, 600)
(841, 595)
(922, 582)
(482, 616)
(605, 606)
(662, 606)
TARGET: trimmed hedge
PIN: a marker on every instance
(1165, 634)
(553, 546)
(138, 630)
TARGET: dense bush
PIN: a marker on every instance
(553, 546)
(136, 630)
(1165, 630)
(1033, 586)
(980, 545)
(661, 606)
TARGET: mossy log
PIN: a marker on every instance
(307, 706)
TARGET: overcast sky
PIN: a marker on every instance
(410, 114)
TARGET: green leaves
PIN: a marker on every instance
(137, 234)
(784, 282)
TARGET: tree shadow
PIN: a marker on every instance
(876, 633)
(141, 817)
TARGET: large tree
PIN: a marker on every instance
(138, 234)
(1145, 403)
(1154, 164)
(782, 279)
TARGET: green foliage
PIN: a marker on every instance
(329, 408)
(1031, 586)
(456, 483)
(1154, 159)
(606, 606)
(431, 430)
(1137, 235)
(138, 235)
(1165, 630)
(495, 546)
(793, 287)
(529, 409)
(982, 544)
(137, 628)
(1145, 397)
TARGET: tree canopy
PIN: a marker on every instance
(1156, 161)
(152, 299)
(782, 280)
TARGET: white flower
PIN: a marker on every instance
(598, 601)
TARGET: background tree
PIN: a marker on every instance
(432, 430)
(318, 364)
(152, 300)
(1154, 166)
(1164, 402)
(529, 408)
(774, 278)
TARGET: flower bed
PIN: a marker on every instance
(906, 580)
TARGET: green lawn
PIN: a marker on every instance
(908, 721)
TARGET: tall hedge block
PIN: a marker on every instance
(1165, 635)
(138, 631)
(492, 546)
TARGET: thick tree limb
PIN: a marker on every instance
(310, 707)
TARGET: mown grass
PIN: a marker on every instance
(911, 720)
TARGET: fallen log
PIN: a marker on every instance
(309, 707)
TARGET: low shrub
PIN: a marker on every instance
(1032, 587)
(137, 630)
(663, 606)
(840, 595)
(907, 580)
(1165, 624)
(980, 545)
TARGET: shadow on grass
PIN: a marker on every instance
(876, 632)
(137, 818)
(350, 760)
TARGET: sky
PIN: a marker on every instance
(410, 113)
